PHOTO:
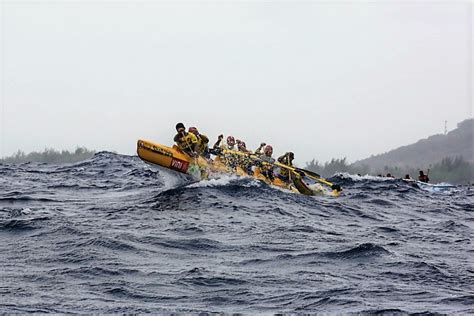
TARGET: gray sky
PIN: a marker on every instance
(323, 79)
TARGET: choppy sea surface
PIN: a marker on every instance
(114, 235)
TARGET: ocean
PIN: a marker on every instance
(115, 235)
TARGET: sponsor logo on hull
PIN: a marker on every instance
(180, 165)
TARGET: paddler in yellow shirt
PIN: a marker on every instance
(187, 142)
(203, 142)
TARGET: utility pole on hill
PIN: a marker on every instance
(445, 127)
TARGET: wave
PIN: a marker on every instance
(130, 237)
(187, 244)
(362, 251)
(18, 225)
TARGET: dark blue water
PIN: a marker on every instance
(112, 235)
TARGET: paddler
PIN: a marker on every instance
(203, 142)
(266, 168)
(230, 143)
(267, 153)
(286, 159)
(218, 147)
(424, 177)
(219, 150)
(187, 142)
(242, 147)
(244, 161)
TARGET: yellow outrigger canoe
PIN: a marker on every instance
(199, 168)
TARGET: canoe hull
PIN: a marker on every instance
(171, 158)
(174, 159)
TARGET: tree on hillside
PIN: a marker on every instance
(49, 155)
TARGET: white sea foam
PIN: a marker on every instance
(442, 187)
(356, 177)
(225, 179)
(171, 179)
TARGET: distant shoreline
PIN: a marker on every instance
(50, 155)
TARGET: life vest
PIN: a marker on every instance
(186, 142)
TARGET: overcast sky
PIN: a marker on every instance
(323, 79)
